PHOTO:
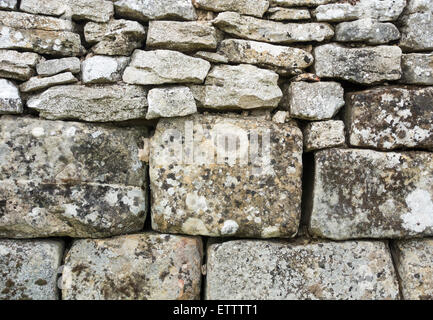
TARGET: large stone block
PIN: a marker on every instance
(255, 8)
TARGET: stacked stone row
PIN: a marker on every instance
(91, 92)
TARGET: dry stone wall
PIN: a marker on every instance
(216, 149)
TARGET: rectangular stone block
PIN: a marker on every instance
(17, 65)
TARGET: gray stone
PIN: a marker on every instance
(413, 262)
(366, 30)
(8, 4)
(324, 134)
(248, 7)
(370, 194)
(417, 68)
(238, 87)
(211, 57)
(368, 65)
(170, 102)
(38, 83)
(300, 3)
(181, 36)
(190, 183)
(146, 266)
(117, 37)
(165, 66)
(10, 99)
(96, 103)
(391, 117)
(144, 10)
(17, 65)
(280, 116)
(282, 14)
(29, 269)
(271, 31)
(55, 66)
(103, 69)
(21, 20)
(257, 270)
(73, 179)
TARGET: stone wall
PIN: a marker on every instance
(216, 149)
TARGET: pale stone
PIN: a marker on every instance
(29, 269)
(248, 7)
(103, 69)
(165, 66)
(17, 65)
(300, 3)
(55, 66)
(280, 116)
(38, 83)
(370, 194)
(324, 134)
(211, 57)
(10, 99)
(21, 20)
(417, 68)
(8, 4)
(146, 266)
(302, 270)
(282, 14)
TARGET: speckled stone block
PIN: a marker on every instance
(257, 270)
(324, 134)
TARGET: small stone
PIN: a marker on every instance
(8, 4)
(300, 3)
(282, 14)
(417, 69)
(55, 66)
(257, 270)
(103, 69)
(370, 194)
(248, 7)
(280, 116)
(21, 20)
(165, 66)
(10, 99)
(368, 65)
(271, 31)
(17, 65)
(30, 269)
(95, 104)
(390, 118)
(170, 102)
(211, 57)
(37, 83)
(324, 134)
(146, 266)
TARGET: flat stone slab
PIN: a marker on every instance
(417, 69)
(38, 83)
(391, 118)
(257, 270)
(17, 65)
(417, 26)
(10, 98)
(282, 14)
(29, 269)
(300, 3)
(255, 8)
(21, 20)
(324, 134)
(370, 194)
(201, 189)
(146, 266)
(8, 4)
(55, 66)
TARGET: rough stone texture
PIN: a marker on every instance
(383, 10)
(117, 37)
(20, 20)
(144, 10)
(181, 36)
(369, 194)
(145, 266)
(316, 100)
(211, 57)
(300, 3)
(391, 118)
(37, 83)
(281, 14)
(8, 4)
(256, 270)
(414, 264)
(324, 134)
(366, 65)
(97, 103)
(103, 69)
(255, 8)
(55, 66)
(264, 54)
(366, 30)
(170, 102)
(165, 66)
(417, 68)
(271, 31)
(190, 193)
(29, 269)
(238, 87)
(10, 99)
(17, 65)
(69, 179)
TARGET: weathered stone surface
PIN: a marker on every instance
(264, 54)
(170, 102)
(366, 65)
(257, 270)
(316, 100)
(17, 65)
(366, 30)
(165, 66)
(190, 184)
(249, 7)
(10, 99)
(181, 36)
(29, 269)
(103, 69)
(324, 134)
(417, 68)
(383, 10)
(97, 103)
(142, 266)
(71, 179)
(144, 10)
(238, 87)
(271, 31)
(370, 194)
(211, 57)
(38, 83)
(21, 20)
(8, 4)
(391, 118)
(300, 3)
(115, 38)
(55, 66)
(414, 264)
(281, 14)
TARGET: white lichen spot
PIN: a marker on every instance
(230, 227)
(135, 200)
(96, 134)
(195, 203)
(70, 132)
(194, 226)
(420, 216)
(111, 197)
(38, 132)
(271, 232)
